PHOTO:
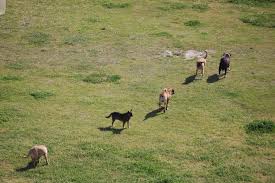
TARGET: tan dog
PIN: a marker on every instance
(36, 152)
(165, 96)
(201, 62)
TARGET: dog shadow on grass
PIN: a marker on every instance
(154, 113)
(27, 167)
(111, 129)
(189, 79)
(213, 78)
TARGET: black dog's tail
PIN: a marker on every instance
(109, 116)
(206, 54)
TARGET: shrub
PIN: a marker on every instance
(263, 20)
(74, 39)
(260, 126)
(173, 6)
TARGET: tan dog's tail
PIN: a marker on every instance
(206, 54)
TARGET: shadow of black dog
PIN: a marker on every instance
(189, 79)
(153, 113)
(111, 129)
(213, 78)
(26, 168)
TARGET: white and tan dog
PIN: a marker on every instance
(36, 152)
(165, 96)
(201, 63)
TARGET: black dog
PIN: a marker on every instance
(121, 117)
(225, 63)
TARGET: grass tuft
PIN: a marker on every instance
(101, 78)
(111, 5)
(192, 23)
(41, 94)
(38, 38)
(7, 114)
(260, 126)
(263, 20)
(173, 6)
(162, 34)
(10, 78)
(74, 39)
(200, 7)
(252, 2)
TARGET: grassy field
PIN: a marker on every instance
(65, 65)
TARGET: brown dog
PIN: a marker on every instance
(200, 65)
(165, 96)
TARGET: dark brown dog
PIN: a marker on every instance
(224, 63)
(121, 117)
(164, 97)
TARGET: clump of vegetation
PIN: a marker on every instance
(111, 5)
(263, 20)
(10, 78)
(192, 23)
(16, 66)
(252, 2)
(8, 114)
(41, 94)
(260, 126)
(200, 7)
(173, 6)
(75, 39)
(38, 38)
(162, 34)
(101, 78)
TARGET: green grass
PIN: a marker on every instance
(101, 78)
(192, 23)
(262, 20)
(260, 126)
(41, 94)
(252, 2)
(38, 38)
(78, 61)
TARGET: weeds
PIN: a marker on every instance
(111, 5)
(192, 23)
(38, 38)
(10, 78)
(41, 94)
(101, 78)
(252, 2)
(263, 20)
(200, 7)
(260, 126)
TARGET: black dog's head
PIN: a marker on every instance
(130, 114)
(227, 55)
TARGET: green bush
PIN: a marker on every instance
(173, 6)
(263, 20)
(10, 78)
(260, 126)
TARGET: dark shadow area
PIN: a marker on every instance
(110, 129)
(27, 167)
(213, 78)
(153, 113)
(190, 79)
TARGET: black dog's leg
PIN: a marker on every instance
(124, 123)
(113, 120)
(128, 122)
(225, 72)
